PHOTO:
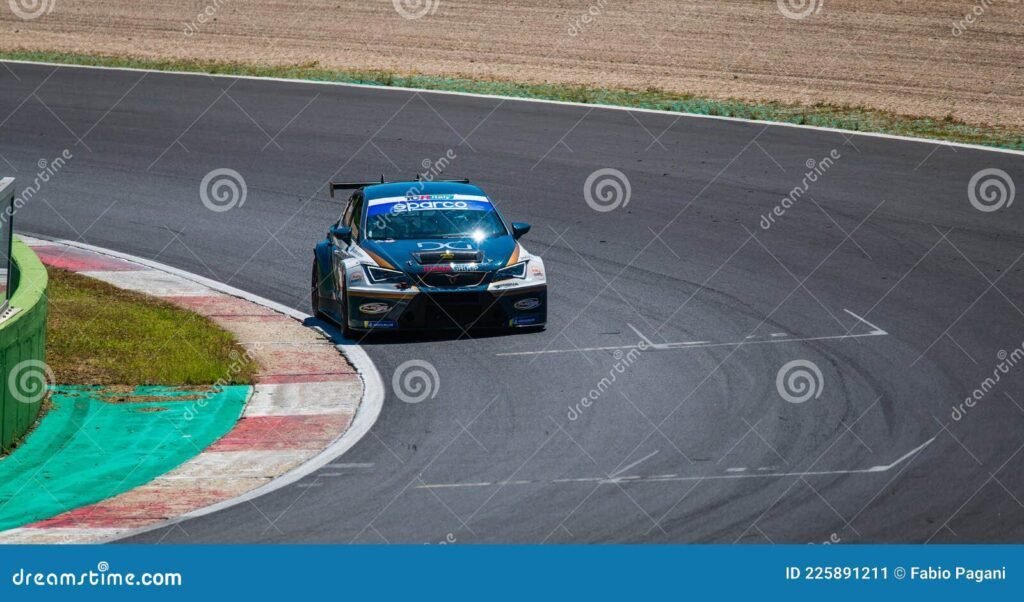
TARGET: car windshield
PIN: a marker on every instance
(431, 218)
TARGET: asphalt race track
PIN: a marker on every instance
(883, 277)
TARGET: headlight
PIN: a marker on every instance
(517, 270)
(379, 275)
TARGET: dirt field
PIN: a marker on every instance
(912, 57)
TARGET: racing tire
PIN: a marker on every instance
(346, 332)
(314, 294)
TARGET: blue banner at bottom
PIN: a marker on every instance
(511, 572)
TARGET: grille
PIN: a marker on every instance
(459, 308)
(452, 279)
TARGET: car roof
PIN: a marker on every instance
(396, 189)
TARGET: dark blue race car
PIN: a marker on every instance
(426, 255)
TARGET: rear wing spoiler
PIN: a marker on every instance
(332, 186)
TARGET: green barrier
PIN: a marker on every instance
(22, 347)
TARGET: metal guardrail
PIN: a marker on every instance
(6, 240)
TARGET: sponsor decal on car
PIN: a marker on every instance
(527, 304)
(430, 205)
(435, 202)
(380, 324)
(373, 309)
(447, 268)
(432, 197)
(439, 246)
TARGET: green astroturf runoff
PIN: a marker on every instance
(94, 444)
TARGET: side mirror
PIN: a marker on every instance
(342, 233)
(519, 229)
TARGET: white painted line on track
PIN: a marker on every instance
(535, 100)
(369, 407)
(874, 329)
(730, 474)
(634, 464)
(776, 339)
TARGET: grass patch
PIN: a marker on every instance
(98, 334)
(858, 119)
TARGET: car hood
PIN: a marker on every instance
(422, 255)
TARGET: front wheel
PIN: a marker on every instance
(346, 332)
(314, 292)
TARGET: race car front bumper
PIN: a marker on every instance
(524, 307)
